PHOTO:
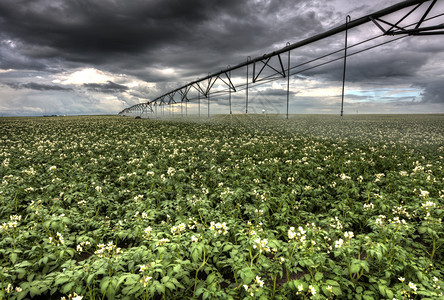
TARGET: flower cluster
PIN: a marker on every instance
(219, 228)
(369, 206)
(10, 288)
(107, 250)
(138, 197)
(195, 238)
(58, 240)
(380, 220)
(379, 176)
(348, 235)
(82, 245)
(261, 245)
(171, 171)
(253, 230)
(162, 241)
(335, 223)
(178, 229)
(72, 296)
(258, 282)
(339, 243)
(148, 232)
(11, 224)
(300, 234)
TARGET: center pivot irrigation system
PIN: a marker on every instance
(274, 62)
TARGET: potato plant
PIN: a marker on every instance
(242, 207)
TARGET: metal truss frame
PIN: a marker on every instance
(204, 85)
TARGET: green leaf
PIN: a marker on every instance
(13, 257)
(364, 265)
(389, 293)
(34, 291)
(199, 291)
(195, 255)
(67, 287)
(382, 289)
(133, 279)
(90, 278)
(205, 295)
(337, 290)
(104, 283)
(355, 267)
(318, 276)
(211, 278)
(170, 286)
(160, 288)
(21, 273)
(61, 280)
(227, 247)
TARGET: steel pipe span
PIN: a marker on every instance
(224, 75)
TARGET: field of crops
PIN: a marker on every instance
(242, 207)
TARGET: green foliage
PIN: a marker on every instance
(261, 207)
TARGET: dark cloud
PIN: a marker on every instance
(37, 86)
(433, 91)
(109, 87)
(173, 32)
(143, 38)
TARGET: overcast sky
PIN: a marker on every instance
(101, 56)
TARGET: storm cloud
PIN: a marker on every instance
(38, 86)
(137, 50)
(109, 87)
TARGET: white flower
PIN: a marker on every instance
(301, 230)
(162, 241)
(424, 194)
(178, 229)
(348, 234)
(429, 204)
(291, 233)
(259, 281)
(148, 230)
(338, 243)
(300, 288)
(412, 286)
(171, 171)
(52, 168)
(138, 197)
(194, 239)
(344, 177)
(312, 290)
(369, 206)
(401, 279)
(219, 228)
